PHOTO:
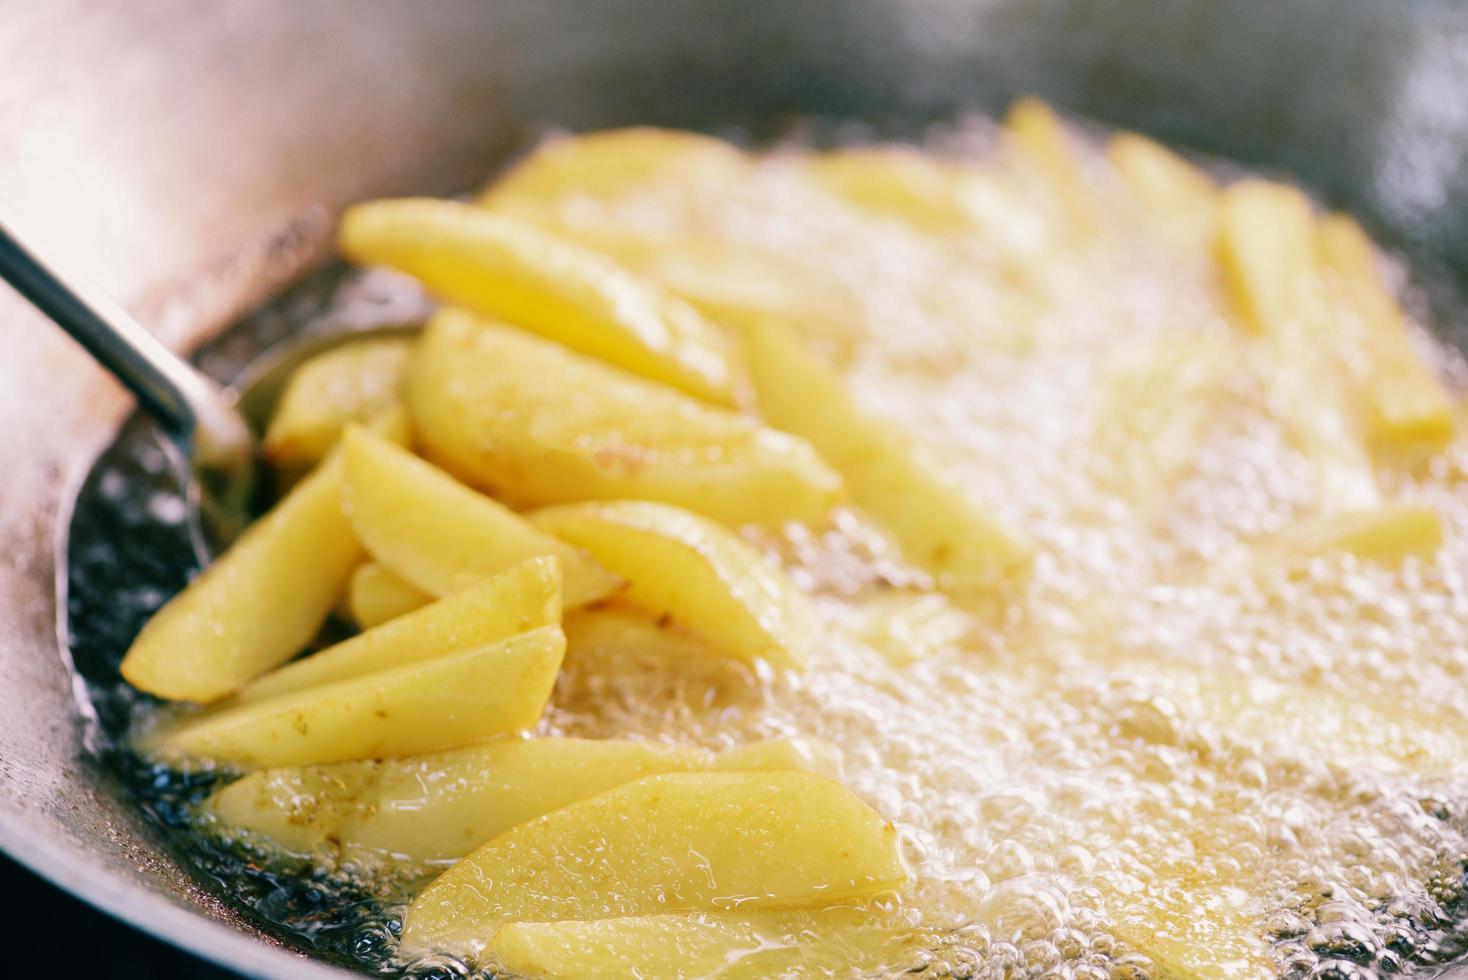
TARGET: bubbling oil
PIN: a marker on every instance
(1158, 755)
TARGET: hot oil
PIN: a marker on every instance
(1155, 756)
(1160, 754)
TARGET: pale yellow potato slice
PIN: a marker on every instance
(712, 945)
(257, 605)
(502, 266)
(533, 423)
(440, 807)
(800, 752)
(440, 536)
(1168, 186)
(686, 567)
(523, 597)
(1034, 134)
(896, 182)
(1207, 930)
(376, 595)
(619, 630)
(1159, 400)
(667, 843)
(1406, 405)
(609, 164)
(1385, 535)
(905, 626)
(934, 524)
(351, 383)
(1267, 249)
(423, 707)
(437, 807)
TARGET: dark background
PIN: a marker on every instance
(51, 934)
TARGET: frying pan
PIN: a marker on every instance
(191, 158)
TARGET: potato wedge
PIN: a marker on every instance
(440, 807)
(1168, 186)
(799, 753)
(1267, 248)
(376, 595)
(618, 629)
(936, 527)
(701, 576)
(423, 707)
(713, 945)
(905, 626)
(1159, 400)
(437, 807)
(895, 182)
(1035, 135)
(1385, 535)
(533, 423)
(724, 840)
(1203, 931)
(609, 164)
(440, 536)
(502, 266)
(1405, 404)
(523, 597)
(351, 383)
(257, 605)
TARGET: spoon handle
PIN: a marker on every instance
(191, 408)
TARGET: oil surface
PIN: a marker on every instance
(1159, 754)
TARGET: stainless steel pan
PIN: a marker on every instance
(192, 156)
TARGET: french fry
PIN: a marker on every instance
(717, 945)
(936, 527)
(1169, 187)
(256, 606)
(440, 807)
(746, 840)
(1385, 535)
(501, 266)
(1267, 247)
(376, 595)
(423, 707)
(440, 536)
(523, 597)
(1406, 407)
(355, 382)
(686, 567)
(1035, 135)
(533, 423)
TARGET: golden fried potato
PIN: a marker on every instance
(723, 840)
(533, 423)
(934, 524)
(1267, 248)
(609, 164)
(686, 567)
(504, 267)
(440, 536)
(1406, 406)
(257, 605)
(355, 382)
(376, 595)
(1036, 138)
(440, 807)
(1168, 186)
(521, 598)
(449, 701)
(1385, 535)
(713, 945)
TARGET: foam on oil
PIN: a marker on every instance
(1159, 755)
